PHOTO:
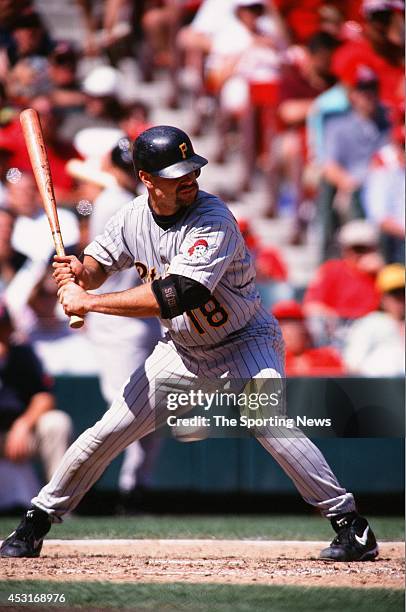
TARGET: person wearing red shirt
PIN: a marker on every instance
(302, 79)
(302, 18)
(306, 17)
(59, 152)
(272, 272)
(345, 288)
(269, 263)
(301, 357)
(381, 48)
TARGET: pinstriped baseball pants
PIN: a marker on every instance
(134, 414)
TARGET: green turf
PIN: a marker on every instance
(211, 597)
(273, 527)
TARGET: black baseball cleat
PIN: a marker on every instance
(27, 539)
(355, 540)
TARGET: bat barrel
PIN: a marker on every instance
(34, 140)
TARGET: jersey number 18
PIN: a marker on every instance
(212, 311)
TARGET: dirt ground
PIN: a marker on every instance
(205, 561)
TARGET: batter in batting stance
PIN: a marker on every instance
(198, 278)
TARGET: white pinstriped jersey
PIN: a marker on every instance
(205, 245)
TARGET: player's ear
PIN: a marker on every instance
(145, 178)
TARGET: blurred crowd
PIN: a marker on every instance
(308, 93)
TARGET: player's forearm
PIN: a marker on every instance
(137, 302)
(93, 275)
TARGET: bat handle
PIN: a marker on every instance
(75, 321)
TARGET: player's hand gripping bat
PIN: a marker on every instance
(34, 141)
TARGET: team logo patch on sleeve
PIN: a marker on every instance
(199, 251)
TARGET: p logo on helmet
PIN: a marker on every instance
(166, 151)
(183, 150)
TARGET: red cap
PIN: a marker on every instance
(288, 309)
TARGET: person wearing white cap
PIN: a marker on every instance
(344, 289)
(376, 343)
(102, 81)
(244, 49)
(102, 106)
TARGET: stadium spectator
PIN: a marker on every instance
(26, 36)
(32, 239)
(31, 234)
(10, 10)
(376, 342)
(302, 357)
(383, 196)
(344, 289)
(10, 260)
(102, 108)
(105, 23)
(244, 49)
(210, 17)
(29, 423)
(302, 79)
(351, 140)
(272, 272)
(135, 119)
(381, 48)
(45, 325)
(160, 24)
(28, 78)
(302, 18)
(59, 152)
(66, 94)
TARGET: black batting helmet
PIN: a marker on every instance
(165, 151)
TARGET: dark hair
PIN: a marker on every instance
(64, 53)
(383, 17)
(322, 40)
(137, 105)
(121, 157)
(29, 20)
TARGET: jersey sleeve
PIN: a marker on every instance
(111, 249)
(207, 252)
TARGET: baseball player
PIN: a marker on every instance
(198, 278)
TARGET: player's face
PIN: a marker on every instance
(170, 195)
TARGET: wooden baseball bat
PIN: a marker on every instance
(34, 141)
